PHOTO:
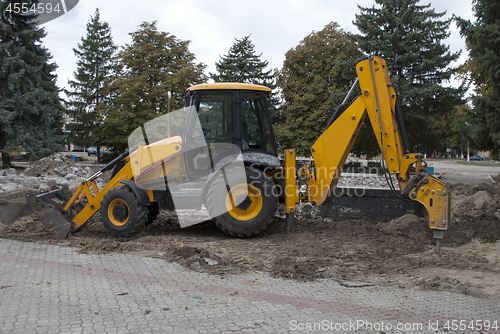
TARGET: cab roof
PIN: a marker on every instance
(230, 85)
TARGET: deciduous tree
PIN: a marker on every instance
(153, 64)
(315, 77)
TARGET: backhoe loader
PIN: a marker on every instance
(220, 162)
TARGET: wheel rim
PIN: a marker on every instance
(118, 212)
(251, 209)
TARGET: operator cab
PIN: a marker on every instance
(235, 114)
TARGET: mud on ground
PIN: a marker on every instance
(398, 253)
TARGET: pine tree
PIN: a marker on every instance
(241, 64)
(410, 37)
(152, 65)
(96, 56)
(30, 108)
(483, 43)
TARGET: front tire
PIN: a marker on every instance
(122, 213)
(255, 212)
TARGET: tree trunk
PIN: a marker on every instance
(98, 153)
(6, 163)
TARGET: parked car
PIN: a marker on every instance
(476, 158)
(93, 151)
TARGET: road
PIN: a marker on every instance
(453, 170)
(472, 172)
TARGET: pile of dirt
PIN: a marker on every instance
(56, 164)
(55, 171)
(475, 213)
(409, 226)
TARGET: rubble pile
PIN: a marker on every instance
(55, 171)
(367, 181)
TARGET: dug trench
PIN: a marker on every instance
(370, 251)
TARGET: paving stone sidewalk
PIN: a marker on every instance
(53, 289)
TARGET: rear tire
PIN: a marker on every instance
(122, 213)
(254, 214)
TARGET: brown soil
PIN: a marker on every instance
(395, 253)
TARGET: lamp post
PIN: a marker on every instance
(169, 97)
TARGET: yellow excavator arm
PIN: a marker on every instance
(378, 102)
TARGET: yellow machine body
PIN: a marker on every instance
(147, 163)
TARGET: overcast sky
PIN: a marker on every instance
(275, 26)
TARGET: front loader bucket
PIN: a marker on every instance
(47, 206)
(49, 209)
